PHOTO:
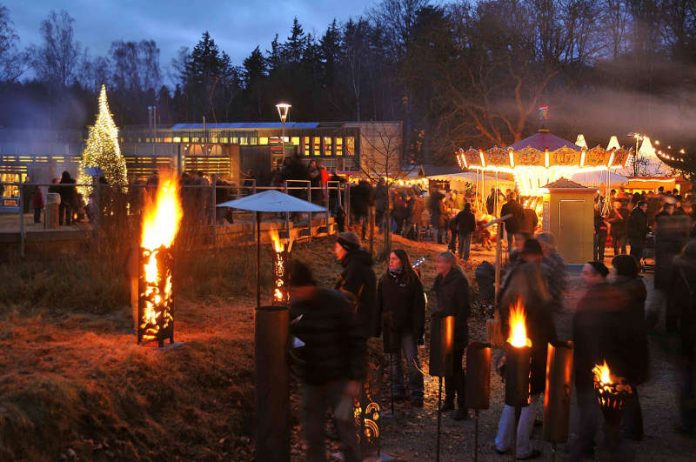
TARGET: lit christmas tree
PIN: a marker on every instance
(102, 148)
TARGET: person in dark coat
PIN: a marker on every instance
(512, 223)
(590, 330)
(617, 219)
(637, 229)
(358, 280)
(682, 303)
(361, 198)
(465, 223)
(671, 234)
(452, 291)
(526, 284)
(329, 356)
(68, 199)
(632, 339)
(555, 271)
(381, 203)
(601, 229)
(438, 217)
(401, 302)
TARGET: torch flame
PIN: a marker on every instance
(278, 245)
(518, 327)
(602, 373)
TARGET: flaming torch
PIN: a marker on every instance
(518, 356)
(281, 259)
(612, 393)
(161, 221)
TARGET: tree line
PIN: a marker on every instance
(458, 73)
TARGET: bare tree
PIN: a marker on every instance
(57, 60)
(11, 60)
(381, 158)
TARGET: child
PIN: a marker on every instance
(37, 201)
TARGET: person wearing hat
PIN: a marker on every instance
(593, 335)
(358, 280)
(525, 283)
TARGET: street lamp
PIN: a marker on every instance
(283, 111)
(638, 137)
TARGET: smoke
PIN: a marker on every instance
(30, 106)
(664, 108)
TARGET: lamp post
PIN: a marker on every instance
(283, 111)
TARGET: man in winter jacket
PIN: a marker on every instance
(638, 229)
(329, 354)
(512, 223)
(465, 222)
(358, 280)
(452, 291)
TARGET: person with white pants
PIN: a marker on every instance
(506, 429)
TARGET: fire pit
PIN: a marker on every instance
(611, 393)
(161, 221)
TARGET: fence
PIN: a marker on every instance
(201, 199)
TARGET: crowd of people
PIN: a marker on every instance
(610, 323)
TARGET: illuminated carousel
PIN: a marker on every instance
(542, 159)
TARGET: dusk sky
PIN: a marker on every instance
(238, 26)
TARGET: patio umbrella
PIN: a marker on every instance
(269, 201)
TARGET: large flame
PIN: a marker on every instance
(281, 251)
(278, 245)
(518, 326)
(161, 222)
(602, 373)
(161, 219)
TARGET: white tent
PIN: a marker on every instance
(598, 178)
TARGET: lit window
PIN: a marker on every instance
(350, 146)
(214, 140)
(235, 140)
(263, 140)
(306, 148)
(253, 140)
(185, 139)
(317, 146)
(167, 139)
(328, 146)
(295, 140)
(177, 139)
(224, 140)
(243, 140)
(339, 146)
(195, 139)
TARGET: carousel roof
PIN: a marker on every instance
(543, 149)
(543, 140)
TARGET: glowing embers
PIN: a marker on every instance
(161, 221)
(281, 259)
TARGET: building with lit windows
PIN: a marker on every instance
(234, 151)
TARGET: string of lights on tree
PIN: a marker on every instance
(102, 149)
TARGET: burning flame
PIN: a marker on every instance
(162, 219)
(602, 373)
(279, 266)
(518, 327)
(161, 222)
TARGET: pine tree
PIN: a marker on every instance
(102, 148)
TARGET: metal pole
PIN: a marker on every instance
(518, 412)
(258, 259)
(287, 214)
(309, 196)
(476, 434)
(22, 232)
(498, 259)
(439, 419)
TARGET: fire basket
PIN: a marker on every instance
(281, 260)
(611, 393)
(518, 351)
(161, 221)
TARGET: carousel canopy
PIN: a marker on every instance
(542, 149)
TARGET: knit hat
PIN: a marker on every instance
(348, 240)
(599, 267)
